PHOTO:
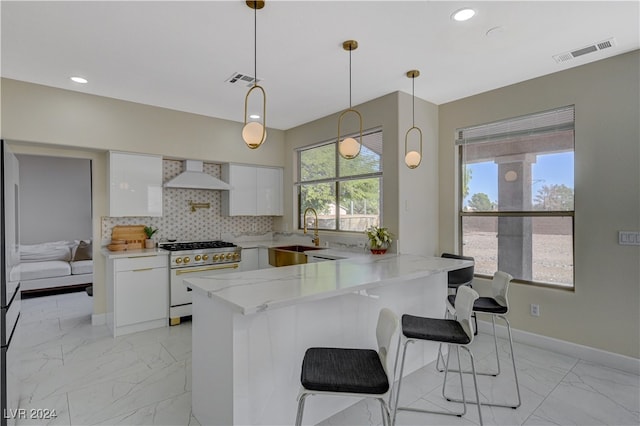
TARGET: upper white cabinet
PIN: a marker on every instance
(255, 191)
(135, 184)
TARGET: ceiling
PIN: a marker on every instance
(179, 54)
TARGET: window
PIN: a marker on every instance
(346, 194)
(516, 197)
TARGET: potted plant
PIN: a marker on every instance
(149, 231)
(379, 239)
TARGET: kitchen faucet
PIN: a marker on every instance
(316, 238)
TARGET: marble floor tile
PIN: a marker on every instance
(173, 411)
(144, 378)
(128, 393)
(593, 395)
(48, 411)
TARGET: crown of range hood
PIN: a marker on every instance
(193, 177)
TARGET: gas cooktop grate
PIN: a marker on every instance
(196, 245)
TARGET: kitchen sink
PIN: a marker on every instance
(289, 255)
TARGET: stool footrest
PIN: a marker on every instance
(419, 410)
(479, 373)
(488, 404)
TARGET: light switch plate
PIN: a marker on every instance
(629, 238)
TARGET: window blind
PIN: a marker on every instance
(555, 120)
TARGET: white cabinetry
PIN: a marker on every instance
(250, 259)
(137, 293)
(269, 191)
(255, 191)
(135, 184)
(263, 258)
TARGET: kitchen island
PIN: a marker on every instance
(251, 329)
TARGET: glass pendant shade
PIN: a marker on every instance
(254, 134)
(412, 159)
(349, 148)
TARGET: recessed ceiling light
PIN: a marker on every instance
(463, 14)
(254, 116)
(80, 80)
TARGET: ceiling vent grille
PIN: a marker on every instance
(564, 57)
(239, 78)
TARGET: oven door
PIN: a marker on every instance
(180, 295)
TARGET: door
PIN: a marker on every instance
(9, 285)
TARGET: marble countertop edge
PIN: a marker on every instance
(253, 292)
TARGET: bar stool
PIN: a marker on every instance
(498, 307)
(453, 332)
(462, 276)
(455, 279)
(351, 372)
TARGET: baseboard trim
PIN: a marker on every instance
(586, 353)
(98, 319)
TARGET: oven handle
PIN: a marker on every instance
(210, 268)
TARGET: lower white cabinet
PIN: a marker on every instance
(250, 259)
(263, 258)
(138, 293)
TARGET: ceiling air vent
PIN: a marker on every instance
(564, 57)
(237, 78)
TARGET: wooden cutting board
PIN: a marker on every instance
(133, 235)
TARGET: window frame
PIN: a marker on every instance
(514, 213)
(336, 180)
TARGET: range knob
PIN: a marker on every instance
(236, 256)
(229, 256)
(186, 260)
(179, 260)
(216, 257)
(205, 257)
(198, 257)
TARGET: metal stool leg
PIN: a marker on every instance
(446, 371)
(300, 409)
(515, 372)
(513, 361)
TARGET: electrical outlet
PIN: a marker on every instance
(535, 310)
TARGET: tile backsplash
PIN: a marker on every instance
(180, 223)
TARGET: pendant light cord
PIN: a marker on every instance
(350, 77)
(413, 100)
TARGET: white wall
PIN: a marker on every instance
(418, 188)
(604, 310)
(55, 199)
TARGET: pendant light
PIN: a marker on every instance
(349, 148)
(254, 133)
(413, 158)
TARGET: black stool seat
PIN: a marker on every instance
(343, 370)
(488, 305)
(434, 329)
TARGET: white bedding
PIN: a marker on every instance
(47, 269)
(81, 267)
(56, 250)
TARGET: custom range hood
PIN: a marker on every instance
(194, 177)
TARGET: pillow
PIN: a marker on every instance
(84, 251)
(43, 253)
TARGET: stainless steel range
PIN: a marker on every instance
(191, 259)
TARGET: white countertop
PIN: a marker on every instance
(327, 252)
(132, 253)
(256, 291)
